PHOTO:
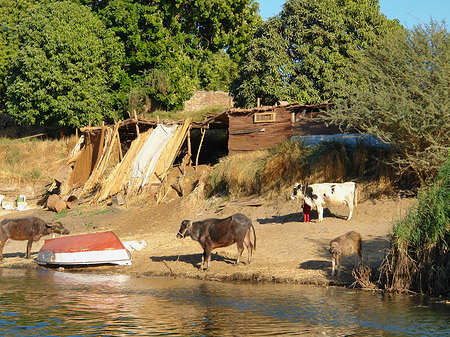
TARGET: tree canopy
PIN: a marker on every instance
(170, 49)
(302, 54)
(180, 41)
(11, 13)
(402, 97)
(66, 69)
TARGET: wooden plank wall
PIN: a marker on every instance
(242, 138)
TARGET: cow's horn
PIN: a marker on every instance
(48, 225)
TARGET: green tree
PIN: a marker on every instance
(66, 69)
(218, 72)
(11, 12)
(179, 42)
(403, 97)
(302, 54)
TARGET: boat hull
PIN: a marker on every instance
(84, 249)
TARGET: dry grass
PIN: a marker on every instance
(363, 277)
(239, 174)
(273, 172)
(328, 162)
(32, 160)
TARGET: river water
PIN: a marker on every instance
(51, 303)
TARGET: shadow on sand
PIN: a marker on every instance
(193, 259)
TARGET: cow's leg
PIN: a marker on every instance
(338, 262)
(350, 208)
(28, 255)
(240, 248)
(203, 259)
(320, 212)
(249, 245)
(2, 244)
(206, 258)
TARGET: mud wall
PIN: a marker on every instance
(206, 99)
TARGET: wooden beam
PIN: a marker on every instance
(189, 147)
(33, 136)
(203, 131)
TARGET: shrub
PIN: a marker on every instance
(420, 257)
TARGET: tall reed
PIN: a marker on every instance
(420, 256)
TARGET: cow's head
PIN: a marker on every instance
(184, 228)
(297, 191)
(55, 227)
(334, 248)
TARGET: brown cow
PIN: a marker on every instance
(345, 245)
(216, 233)
(30, 228)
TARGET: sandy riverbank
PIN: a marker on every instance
(288, 250)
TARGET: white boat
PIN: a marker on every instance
(84, 249)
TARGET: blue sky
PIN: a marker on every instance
(409, 12)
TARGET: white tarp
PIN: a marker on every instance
(145, 161)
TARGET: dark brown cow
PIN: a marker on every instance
(216, 233)
(30, 228)
(345, 245)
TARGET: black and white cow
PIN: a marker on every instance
(320, 195)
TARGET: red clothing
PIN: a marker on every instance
(306, 212)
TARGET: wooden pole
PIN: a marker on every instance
(136, 121)
(203, 131)
(189, 147)
(120, 147)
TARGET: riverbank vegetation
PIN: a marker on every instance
(419, 260)
(274, 171)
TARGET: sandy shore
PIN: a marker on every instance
(288, 250)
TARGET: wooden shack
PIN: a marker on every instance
(130, 157)
(264, 127)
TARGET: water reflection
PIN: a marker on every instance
(51, 303)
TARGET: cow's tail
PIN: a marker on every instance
(254, 237)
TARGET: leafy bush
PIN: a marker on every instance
(420, 256)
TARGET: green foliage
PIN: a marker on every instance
(65, 70)
(218, 72)
(170, 49)
(34, 174)
(428, 221)
(181, 43)
(402, 97)
(60, 215)
(303, 53)
(420, 254)
(11, 13)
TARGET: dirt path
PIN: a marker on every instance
(288, 250)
